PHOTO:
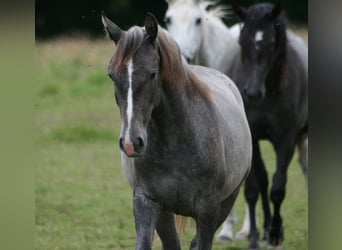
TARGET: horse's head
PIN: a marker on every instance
(134, 68)
(259, 40)
(184, 20)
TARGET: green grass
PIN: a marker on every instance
(83, 200)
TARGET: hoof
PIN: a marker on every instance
(275, 236)
(264, 244)
(253, 248)
(224, 238)
(253, 245)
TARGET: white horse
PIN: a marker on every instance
(204, 39)
(202, 36)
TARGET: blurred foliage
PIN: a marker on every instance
(67, 17)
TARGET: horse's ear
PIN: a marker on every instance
(277, 9)
(112, 30)
(151, 26)
(239, 11)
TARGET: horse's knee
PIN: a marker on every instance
(251, 191)
(277, 195)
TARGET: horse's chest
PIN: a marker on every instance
(270, 118)
(175, 189)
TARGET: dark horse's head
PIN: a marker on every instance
(263, 49)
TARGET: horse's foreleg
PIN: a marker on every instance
(207, 217)
(226, 233)
(167, 231)
(146, 213)
(228, 222)
(251, 196)
(284, 152)
(261, 175)
(246, 226)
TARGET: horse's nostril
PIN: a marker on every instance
(140, 142)
(121, 142)
(188, 59)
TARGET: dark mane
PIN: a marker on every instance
(279, 70)
(173, 69)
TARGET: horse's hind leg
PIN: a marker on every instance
(226, 233)
(207, 216)
(167, 231)
(244, 231)
(210, 217)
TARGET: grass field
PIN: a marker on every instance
(83, 200)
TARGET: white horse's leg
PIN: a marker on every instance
(244, 231)
(226, 233)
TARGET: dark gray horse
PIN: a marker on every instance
(185, 138)
(271, 73)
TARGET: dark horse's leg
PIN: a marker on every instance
(167, 231)
(251, 196)
(262, 178)
(256, 182)
(284, 150)
(146, 213)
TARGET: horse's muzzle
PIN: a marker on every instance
(134, 148)
(253, 97)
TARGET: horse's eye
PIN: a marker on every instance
(198, 21)
(153, 75)
(167, 20)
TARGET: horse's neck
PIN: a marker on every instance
(172, 108)
(217, 44)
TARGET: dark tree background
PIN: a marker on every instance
(68, 16)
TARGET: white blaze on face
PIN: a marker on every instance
(258, 37)
(129, 110)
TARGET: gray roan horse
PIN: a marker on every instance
(271, 74)
(185, 138)
(204, 39)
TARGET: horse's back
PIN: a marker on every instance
(232, 123)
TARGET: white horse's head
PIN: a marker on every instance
(184, 20)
